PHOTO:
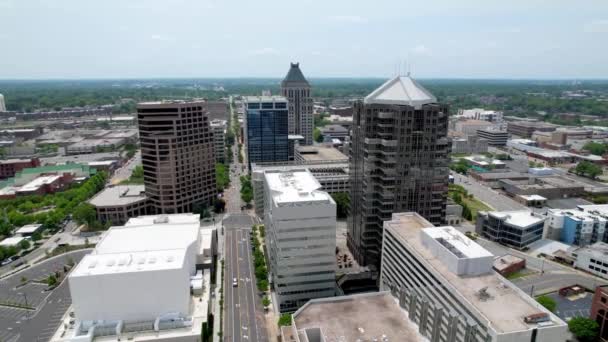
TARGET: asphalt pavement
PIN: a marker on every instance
(489, 196)
(243, 311)
(38, 324)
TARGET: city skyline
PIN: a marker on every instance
(532, 40)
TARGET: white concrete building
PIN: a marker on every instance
(2, 104)
(300, 224)
(333, 177)
(593, 259)
(139, 278)
(481, 114)
(438, 276)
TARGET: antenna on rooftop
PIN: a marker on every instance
(408, 64)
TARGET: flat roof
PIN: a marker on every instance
(38, 182)
(502, 294)
(598, 250)
(533, 197)
(320, 153)
(462, 244)
(149, 236)
(142, 261)
(13, 161)
(119, 195)
(517, 218)
(170, 103)
(502, 262)
(362, 317)
(96, 142)
(11, 241)
(262, 98)
(29, 228)
(296, 186)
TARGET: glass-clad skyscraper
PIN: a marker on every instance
(266, 129)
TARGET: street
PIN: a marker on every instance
(483, 193)
(126, 170)
(243, 311)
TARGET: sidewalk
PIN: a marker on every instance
(218, 283)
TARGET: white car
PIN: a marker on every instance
(235, 282)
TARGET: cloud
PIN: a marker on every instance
(353, 19)
(159, 37)
(421, 50)
(597, 26)
(264, 51)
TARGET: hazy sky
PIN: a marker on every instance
(233, 38)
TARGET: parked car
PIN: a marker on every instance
(235, 282)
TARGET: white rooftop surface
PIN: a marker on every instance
(11, 241)
(502, 294)
(463, 244)
(533, 197)
(119, 195)
(547, 247)
(9, 190)
(602, 208)
(297, 186)
(96, 264)
(101, 162)
(401, 90)
(28, 229)
(170, 219)
(521, 218)
(142, 235)
(38, 182)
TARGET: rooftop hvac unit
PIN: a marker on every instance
(161, 219)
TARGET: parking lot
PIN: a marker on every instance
(578, 306)
(46, 306)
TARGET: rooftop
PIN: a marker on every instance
(272, 98)
(143, 234)
(38, 183)
(29, 228)
(321, 153)
(297, 186)
(502, 262)
(517, 218)
(473, 122)
(171, 103)
(294, 77)
(362, 317)
(501, 293)
(119, 195)
(11, 241)
(456, 242)
(401, 90)
(142, 261)
(599, 250)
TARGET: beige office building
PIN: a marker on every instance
(177, 154)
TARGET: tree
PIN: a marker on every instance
(317, 135)
(265, 301)
(342, 204)
(548, 302)
(596, 148)
(84, 213)
(36, 236)
(24, 244)
(466, 212)
(589, 169)
(222, 177)
(262, 285)
(285, 320)
(201, 209)
(51, 280)
(585, 329)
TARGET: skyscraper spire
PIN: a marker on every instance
(296, 89)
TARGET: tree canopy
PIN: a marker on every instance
(585, 329)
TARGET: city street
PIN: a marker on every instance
(39, 324)
(40, 252)
(126, 170)
(491, 197)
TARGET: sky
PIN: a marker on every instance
(330, 38)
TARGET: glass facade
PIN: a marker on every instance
(267, 132)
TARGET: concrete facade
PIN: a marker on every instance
(449, 307)
(300, 222)
(398, 162)
(297, 90)
(494, 137)
(177, 154)
(513, 228)
(119, 203)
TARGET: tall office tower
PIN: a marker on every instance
(398, 162)
(2, 104)
(296, 89)
(300, 222)
(177, 155)
(265, 128)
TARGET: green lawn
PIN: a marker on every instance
(475, 205)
